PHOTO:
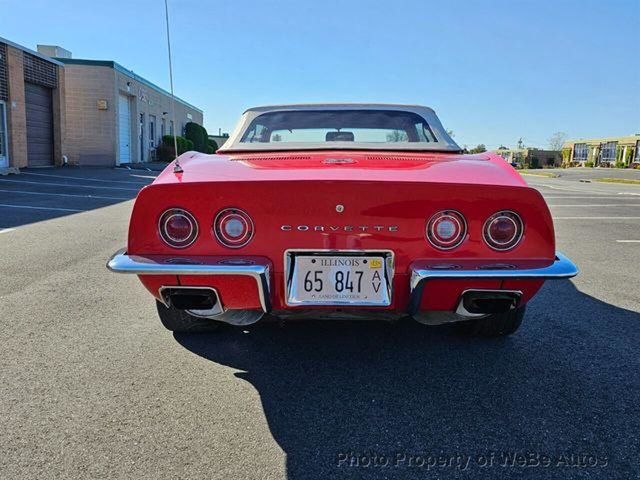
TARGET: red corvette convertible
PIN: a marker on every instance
(341, 211)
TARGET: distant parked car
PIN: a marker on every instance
(341, 211)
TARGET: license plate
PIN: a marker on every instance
(339, 280)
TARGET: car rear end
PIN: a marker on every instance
(341, 248)
(341, 211)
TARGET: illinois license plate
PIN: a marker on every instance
(339, 280)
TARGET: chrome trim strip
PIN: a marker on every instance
(120, 262)
(561, 268)
(289, 254)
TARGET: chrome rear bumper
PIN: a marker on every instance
(254, 267)
(561, 268)
(258, 269)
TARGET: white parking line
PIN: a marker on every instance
(587, 189)
(600, 197)
(6, 230)
(70, 185)
(628, 241)
(144, 176)
(66, 195)
(590, 191)
(596, 218)
(42, 208)
(83, 178)
(600, 205)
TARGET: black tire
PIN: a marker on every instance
(496, 325)
(180, 321)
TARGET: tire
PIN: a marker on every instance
(180, 321)
(496, 325)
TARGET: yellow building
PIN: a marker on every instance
(603, 152)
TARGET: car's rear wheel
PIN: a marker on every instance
(182, 322)
(495, 325)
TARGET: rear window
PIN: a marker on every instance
(327, 126)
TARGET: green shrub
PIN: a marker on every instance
(213, 145)
(198, 135)
(165, 151)
(588, 164)
(620, 164)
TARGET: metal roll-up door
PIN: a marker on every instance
(39, 110)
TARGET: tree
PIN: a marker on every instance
(198, 135)
(397, 136)
(276, 138)
(557, 140)
(212, 144)
(478, 149)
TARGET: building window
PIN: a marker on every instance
(4, 154)
(39, 71)
(580, 152)
(608, 152)
(171, 127)
(152, 131)
(163, 128)
(141, 137)
(637, 155)
(4, 82)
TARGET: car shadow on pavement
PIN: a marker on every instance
(358, 400)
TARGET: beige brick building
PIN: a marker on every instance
(32, 128)
(114, 116)
(603, 152)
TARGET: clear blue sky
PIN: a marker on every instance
(493, 70)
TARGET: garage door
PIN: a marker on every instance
(39, 108)
(124, 129)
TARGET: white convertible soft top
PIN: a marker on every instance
(443, 142)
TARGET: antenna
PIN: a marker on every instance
(176, 167)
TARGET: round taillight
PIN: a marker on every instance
(446, 229)
(503, 230)
(233, 228)
(178, 228)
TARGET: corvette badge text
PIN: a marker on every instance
(462, 461)
(339, 228)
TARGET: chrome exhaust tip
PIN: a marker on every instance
(480, 303)
(205, 302)
(198, 301)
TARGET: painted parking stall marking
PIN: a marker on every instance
(41, 208)
(42, 195)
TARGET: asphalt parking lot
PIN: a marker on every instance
(92, 386)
